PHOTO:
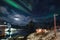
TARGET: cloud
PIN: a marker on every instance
(23, 20)
(10, 18)
(3, 10)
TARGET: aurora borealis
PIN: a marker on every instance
(38, 9)
(12, 3)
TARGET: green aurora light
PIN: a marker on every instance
(16, 5)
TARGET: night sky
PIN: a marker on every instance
(20, 11)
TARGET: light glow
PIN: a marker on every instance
(17, 19)
(13, 30)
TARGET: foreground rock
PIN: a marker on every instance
(43, 36)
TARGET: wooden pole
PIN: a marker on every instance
(55, 25)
